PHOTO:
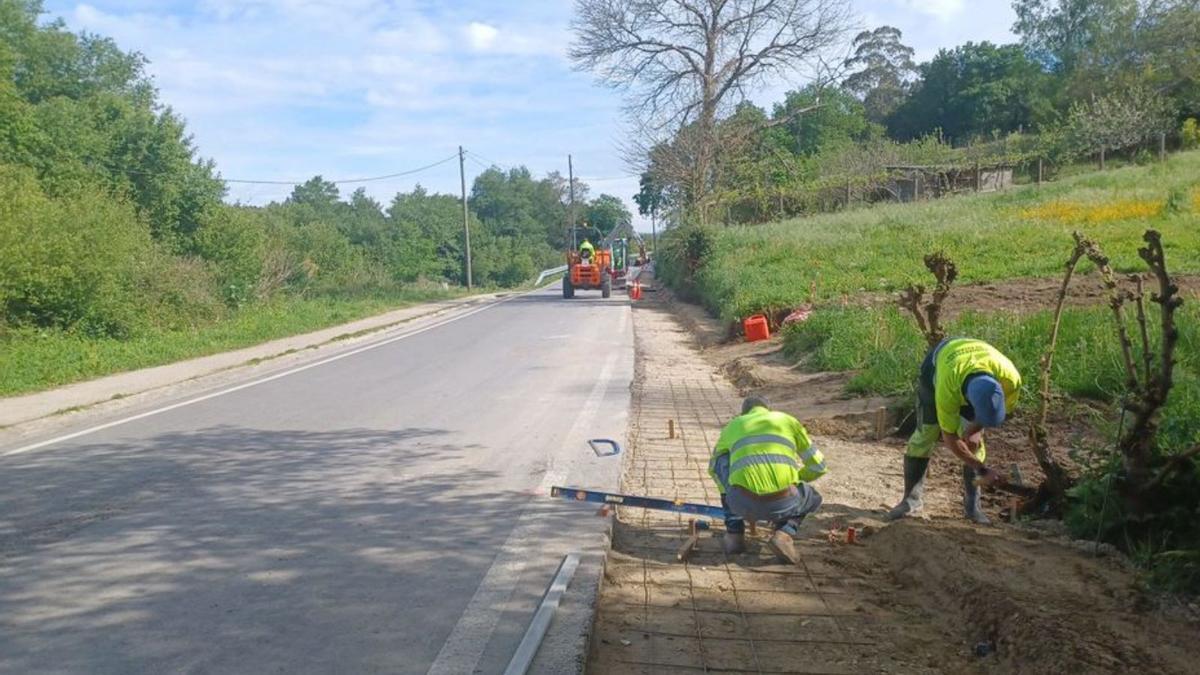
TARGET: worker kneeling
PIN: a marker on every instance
(762, 465)
(965, 386)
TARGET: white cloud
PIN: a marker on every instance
(481, 36)
(942, 10)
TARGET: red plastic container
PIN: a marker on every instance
(756, 328)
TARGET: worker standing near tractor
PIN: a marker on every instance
(762, 465)
(964, 387)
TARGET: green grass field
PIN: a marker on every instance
(32, 360)
(1023, 232)
(883, 347)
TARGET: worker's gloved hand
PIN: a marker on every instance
(988, 476)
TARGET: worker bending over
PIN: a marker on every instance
(964, 387)
(586, 250)
(762, 465)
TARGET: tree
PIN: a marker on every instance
(831, 117)
(606, 212)
(1118, 121)
(651, 197)
(883, 70)
(687, 62)
(1069, 34)
(975, 89)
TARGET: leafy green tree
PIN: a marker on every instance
(1067, 35)
(317, 194)
(431, 226)
(813, 119)
(651, 197)
(883, 68)
(974, 90)
(606, 212)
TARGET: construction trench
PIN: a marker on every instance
(930, 595)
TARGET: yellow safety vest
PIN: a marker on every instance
(768, 451)
(958, 359)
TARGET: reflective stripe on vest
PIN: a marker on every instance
(763, 463)
(763, 438)
(752, 460)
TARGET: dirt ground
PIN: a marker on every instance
(928, 595)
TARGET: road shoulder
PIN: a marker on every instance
(35, 413)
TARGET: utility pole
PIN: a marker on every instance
(462, 177)
(571, 191)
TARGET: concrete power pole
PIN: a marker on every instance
(571, 192)
(462, 177)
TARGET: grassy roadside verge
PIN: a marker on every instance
(32, 361)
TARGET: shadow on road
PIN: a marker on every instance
(232, 549)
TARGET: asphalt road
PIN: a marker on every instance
(376, 513)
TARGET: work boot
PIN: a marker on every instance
(915, 469)
(734, 543)
(783, 546)
(971, 506)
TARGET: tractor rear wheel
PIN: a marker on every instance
(568, 289)
(605, 285)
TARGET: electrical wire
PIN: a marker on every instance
(242, 181)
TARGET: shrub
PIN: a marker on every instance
(1189, 134)
(233, 240)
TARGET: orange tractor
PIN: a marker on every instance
(588, 270)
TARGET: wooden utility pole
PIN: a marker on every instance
(462, 178)
(571, 192)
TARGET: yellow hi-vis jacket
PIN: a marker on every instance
(958, 359)
(587, 246)
(768, 451)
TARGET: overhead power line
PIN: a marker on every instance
(344, 181)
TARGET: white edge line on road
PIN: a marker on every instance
(464, 647)
(253, 383)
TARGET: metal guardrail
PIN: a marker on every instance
(549, 273)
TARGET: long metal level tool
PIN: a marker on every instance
(579, 495)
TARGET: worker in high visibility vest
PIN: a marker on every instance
(965, 386)
(586, 250)
(762, 465)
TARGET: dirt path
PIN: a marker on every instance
(915, 597)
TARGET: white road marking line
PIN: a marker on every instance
(174, 406)
(469, 637)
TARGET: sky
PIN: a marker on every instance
(282, 90)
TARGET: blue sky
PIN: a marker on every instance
(287, 89)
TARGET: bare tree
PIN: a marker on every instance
(685, 63)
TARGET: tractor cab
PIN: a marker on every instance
(587, 270)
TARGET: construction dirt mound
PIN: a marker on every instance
(1020, 602)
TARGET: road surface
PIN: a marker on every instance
(371, 513)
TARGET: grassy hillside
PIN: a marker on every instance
(833, 260)
(1020, 233)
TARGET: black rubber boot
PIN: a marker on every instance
(915, 469)
(971, 506)
(734, 543)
